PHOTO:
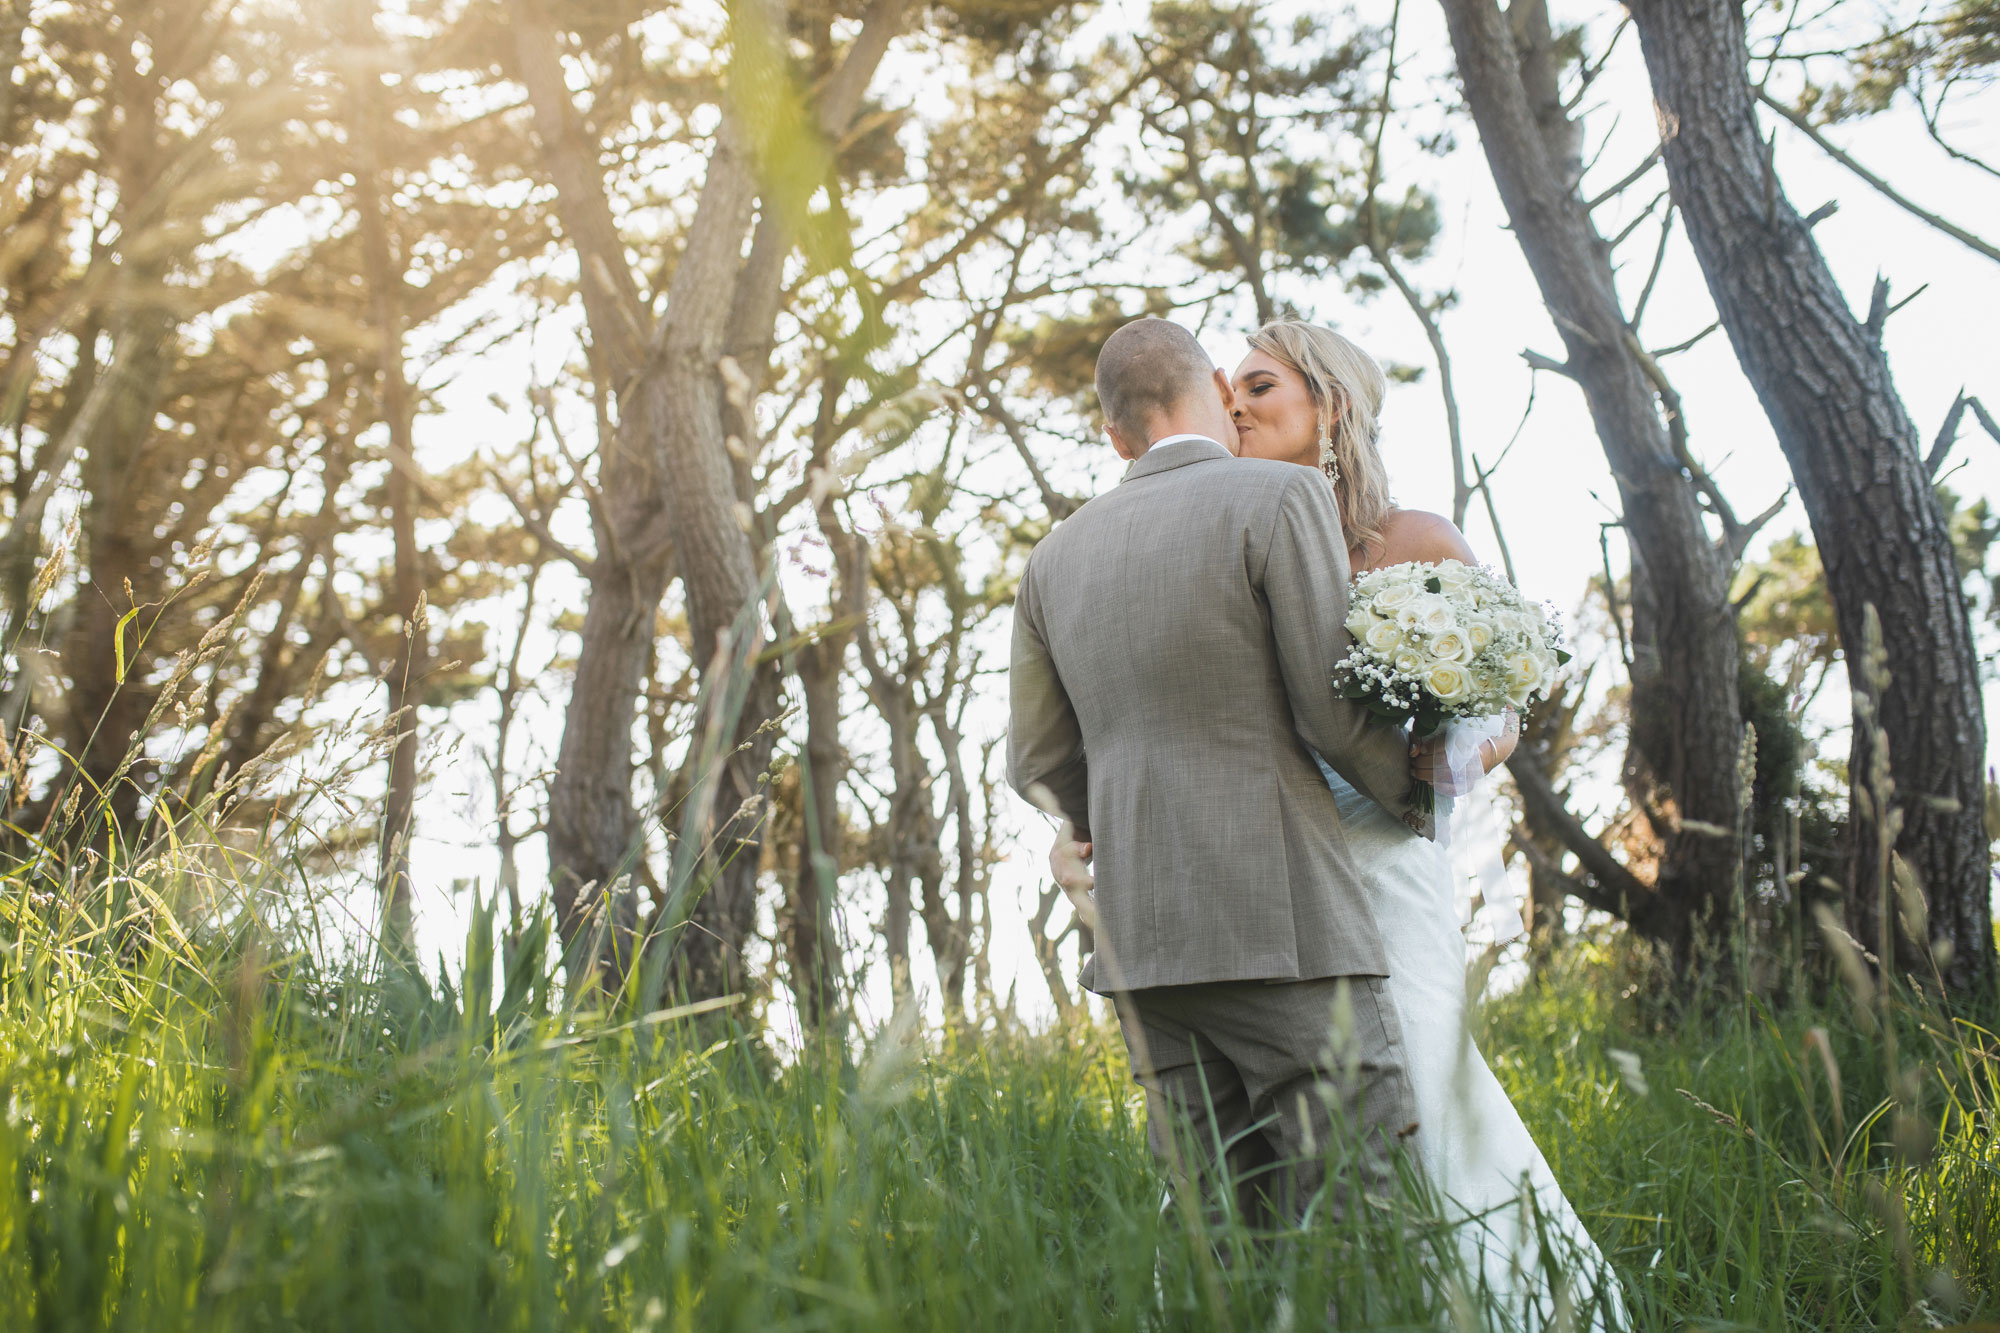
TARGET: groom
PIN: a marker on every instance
(1174, 650)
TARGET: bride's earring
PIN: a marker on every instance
(1328, 463)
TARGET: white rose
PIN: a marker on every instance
(1523, 671)
(1479, 633)
(1449, 681)
(1407, 661)
(1358, 621)
(1382, 636)
(1434, 615)
(1451, 646)
(1456, 576)
(1393, 596)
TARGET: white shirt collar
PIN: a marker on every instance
(1180, 439)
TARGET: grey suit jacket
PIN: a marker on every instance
(1173, 657)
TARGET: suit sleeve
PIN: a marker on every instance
(1044, 739)
(1305, 584)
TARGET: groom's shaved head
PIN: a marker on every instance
(1145, 370)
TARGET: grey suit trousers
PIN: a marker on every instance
(1255, 1089)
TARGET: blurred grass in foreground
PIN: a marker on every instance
(205, 1127)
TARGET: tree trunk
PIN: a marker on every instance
(673, 461)
(721, 304)
(14, 19)
(1686, 728)
(810, 943)
(1825, 384)
(951, 935)
(109, 699)
(405, 669)
(593, 830)
(912, 832)
(814, 950)
(712, 535)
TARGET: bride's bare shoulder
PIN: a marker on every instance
(1414, 534)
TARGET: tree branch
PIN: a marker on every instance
(1946, 437)
(1608, 885)
(538, 526)
(1628, 180)
(1881, 186)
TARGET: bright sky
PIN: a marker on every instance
(1942, 341)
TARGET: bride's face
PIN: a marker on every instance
(1275, 414)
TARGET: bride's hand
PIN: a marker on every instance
(1500, 749)
(1428, 757)
(1427, 764)
(1069, 862)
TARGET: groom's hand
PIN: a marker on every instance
(1069, 862)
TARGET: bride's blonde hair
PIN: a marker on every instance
(1347, 386)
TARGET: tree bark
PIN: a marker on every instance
(1825, 384)
(951, 935)
(1686, 728)
(14, 18)
(673, 462)
(719, 561)
(593, 830)
(109, 700)
(718, 304)
(403, 673)
(810, 943)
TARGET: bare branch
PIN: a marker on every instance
(1878, 308)
(1947, 435)
(1687, 343)
(1733, 534)
(539, 526)
(1611, 595)
(1639, 220)
(1629, 179)
(1930, 116)
(1757, 524)
(1060, 506)
(1485, 488)
(1881, 186)
(1653, 277)
(1985, 418)
(1608, 885)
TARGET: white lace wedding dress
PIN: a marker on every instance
(1517, 1235)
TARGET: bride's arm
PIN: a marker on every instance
(1412, 534)
(1429, 764)
(1499, 749)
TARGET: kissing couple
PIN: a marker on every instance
(1271, 911)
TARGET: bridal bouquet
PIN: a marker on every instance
(1446, 642)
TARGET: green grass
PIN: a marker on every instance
(213, 1134)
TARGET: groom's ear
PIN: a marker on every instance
(1227, 394)
(1119, 443)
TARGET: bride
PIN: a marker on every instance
(1306, 395)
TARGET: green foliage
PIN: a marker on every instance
(1746, 1168)
(1958, 44)
(1258, 135)
(224, 1129)
(1785, 603)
